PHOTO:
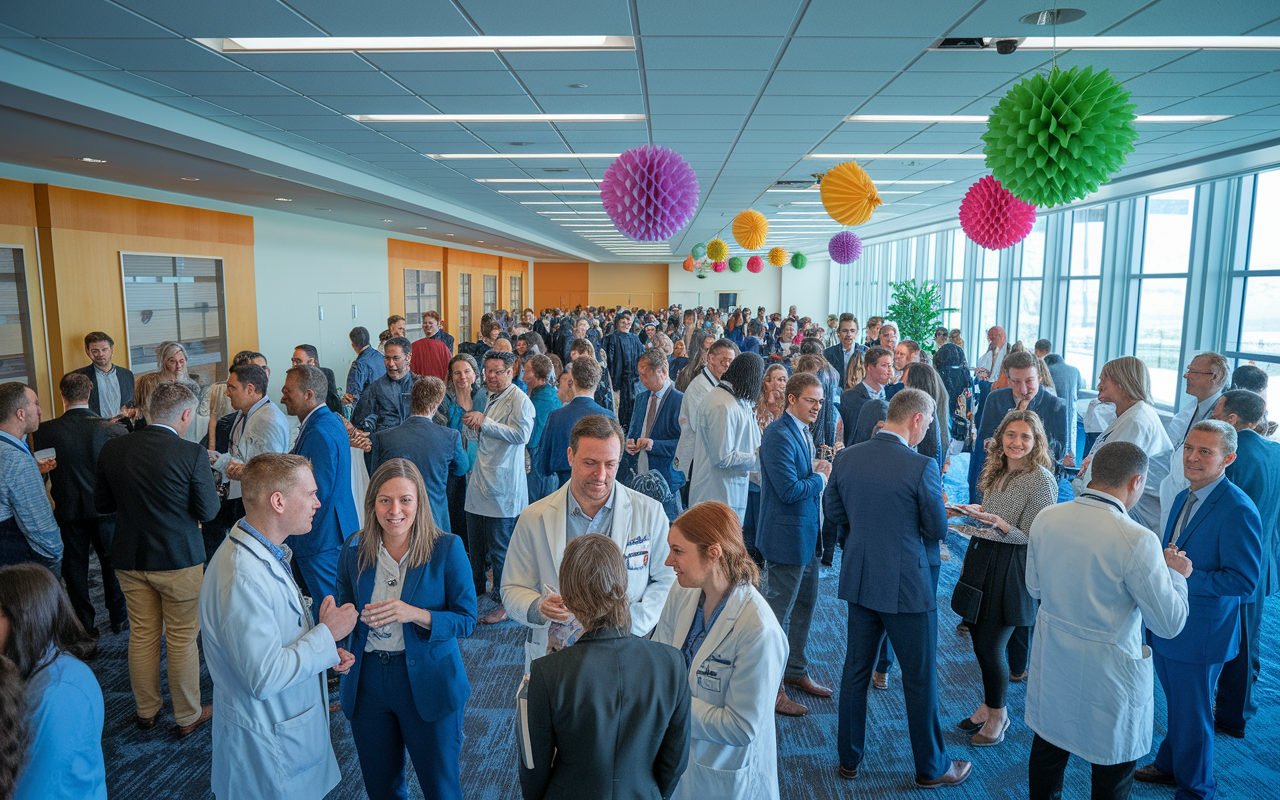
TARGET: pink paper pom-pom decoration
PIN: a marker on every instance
(719, 266)
(992, 217)
(845, 247)
(649, 193)
(755, 264)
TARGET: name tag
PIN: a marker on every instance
(636, 557)
(709, 682)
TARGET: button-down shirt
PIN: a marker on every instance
(1203, 411)
(388, 582)
(108, 384)
(23, 499)
(700, 628)
(577, 523)
(1201, 495)
(992, 359)
(281, 552)
(876, 394)
(644, 454)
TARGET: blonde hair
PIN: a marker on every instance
(269, 473)
(164, 350)
(709, 523)
(997, 465)
(856, 371)
(1130, 375)
(423, 534)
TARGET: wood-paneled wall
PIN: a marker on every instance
(18, 229)
(452, 264)
(632, 285)
(561, 284)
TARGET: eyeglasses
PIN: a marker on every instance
(1191, 371)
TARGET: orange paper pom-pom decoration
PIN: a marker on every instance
(848, 194)
(750, 228)
(688, 263)
(778, 256)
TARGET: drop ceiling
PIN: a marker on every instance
(743, 90)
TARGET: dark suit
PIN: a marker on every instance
(835, 356)
(665, 434)
(414, 699)
(441, 336)
(332, 398)
(1223, 539)
(78, 436)
(850, 406)
(323, 440)
(125, 378)
(1257, 472)
(552, 452)
(1052, 411)
(608, 717)
(889, 578)
(435, 450)
(1066, 385)
(623, 351)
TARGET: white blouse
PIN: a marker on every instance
(388, 580)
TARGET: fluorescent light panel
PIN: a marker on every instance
(415, 44)
(514, 156)
(1168, 118)
(1150, 43)
(497, 117)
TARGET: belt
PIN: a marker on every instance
(386, 656)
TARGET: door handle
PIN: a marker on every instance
(354, 313)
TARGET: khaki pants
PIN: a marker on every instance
(164, 602)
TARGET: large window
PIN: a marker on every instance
(517, 294)
(421, 294)
(490, 293)
(16, 362)
(175, 298)
(464, 307)
(1160, 281)
(954, 289)
(1253, 331)
(1082, 286)
(986, 289)
(1027, 288)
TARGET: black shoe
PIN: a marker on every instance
(969, 726)
(117, 627)
(1234, 733)
(1153, 774)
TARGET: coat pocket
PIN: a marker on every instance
(297, 739)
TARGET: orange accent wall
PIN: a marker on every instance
(632, 285)
(18, 228)
(561, 284)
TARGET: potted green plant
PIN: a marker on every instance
(917, 308)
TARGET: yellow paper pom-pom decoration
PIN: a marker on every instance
(717, 250)
(750, 228)
(848, 194)
(778, 256)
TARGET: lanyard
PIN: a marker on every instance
(1105, 498)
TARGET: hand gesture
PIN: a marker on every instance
(345, 662)
(822, 467)
(643, 444)
(631, 447)
(339, 620)
(347, 399)
(473, 420)
(552, 607)
(1177, 561)
(47, 465)
(376, 615)
(1069, 460)
(213, 456)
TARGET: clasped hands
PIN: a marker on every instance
(1177, 560)
(473, 419)
(634, 446)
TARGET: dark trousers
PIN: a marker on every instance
(215, 530)
(791, 590)
(1019, 649)
(386, 722)
(990, 641)
(749, 527)
(79, 539)
(1187, 750)
(915, 639)
(884, 656)
(456, 491)
(828, 536)
(489, 537)
(1236, 705)
(1048, 762)
(14, 548)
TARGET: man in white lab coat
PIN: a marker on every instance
(1206, 377)
(266, 658)
(591, 502)
(1099, 577)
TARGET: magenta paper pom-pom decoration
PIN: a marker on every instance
(992, 217)
(719, 266)
(755, 264)
(845, 247)
(649, 192)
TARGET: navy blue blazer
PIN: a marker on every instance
(790, 492)
(435, 450)
(123, 376)
(889, 497)
(443, 586)
(851, 401)
(835, 357)
(1224, 542)
(552, 452)
(1256, 471)
(665, 433)
(323, 439)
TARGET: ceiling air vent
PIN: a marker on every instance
(967, 43)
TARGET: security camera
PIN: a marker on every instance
(1006, 46)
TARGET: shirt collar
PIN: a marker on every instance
(897, 436)
(575, 509)
(16, 440)
(804, 427)
(279, 552)
(662, 393)
(1204, 407)
(74, 407)
(102, 371)
(258, 405)
(311, 414)
(1203, 492)
(873, 392)
(168, 428)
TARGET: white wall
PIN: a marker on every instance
(775, 288)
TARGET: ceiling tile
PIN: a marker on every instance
(243, 84)
(827, 83)
(54, 54)
(917, 18)
(8, 33)
(1262, 86)
(851, 55)
(197, 106)
(1220, 105)
(926, 84)
(224, 18)
(466, 83)
(436, 62)
(168, 55)
(1000, 18)
(940, 104)
(582, 62)
(503, 104)
(739, 53)
(359, 104)
(328, 121)
(1179, 17)
(302, 62)
(591, 104)
(836, 107)
(696, 104)
(284, 106)
(609, 81)
(549, 17)
(344, 83)
(709, 81)
(79, 18)
(1182, 84)
(133, 83)
(391, 17)
(715, 17)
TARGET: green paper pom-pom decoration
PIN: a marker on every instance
(699, 250)
(735, 264)
(1053, 140)
(702, 276)
(798, 260)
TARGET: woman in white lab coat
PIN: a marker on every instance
(727, 437)
(735, 651)
(1125, 382)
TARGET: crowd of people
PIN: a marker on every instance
(653, 496)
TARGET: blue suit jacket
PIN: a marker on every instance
(891, 496)
(551, 456)
(435, 450)
(790, 493)
(850, 406)
(324, 440)
(835, 357)
(1257, 472)
(665, 433)
(1224, 542)
(443, 585)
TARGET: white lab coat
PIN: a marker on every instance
(726, 451)
(1139, 425)
(639, 528)
(266, 430)
(1176, 480)
(498, 486)
(1099, 577)
(694, 394)
(270, 699)
(733, 748)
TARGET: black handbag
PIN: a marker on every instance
(966, 600)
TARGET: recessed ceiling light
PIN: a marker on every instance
(498, 118)
(285, 199)
(899, 156)
(191, 179)
(88, 160)
(387, 220)
(448, 234)
(577, 86)
(536, 180)
(324, 209)
(479, 241)
(442, 156)
(415, 44)
(419, 228)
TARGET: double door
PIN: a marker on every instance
(337, 313)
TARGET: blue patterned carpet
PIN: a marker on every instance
(157, 765)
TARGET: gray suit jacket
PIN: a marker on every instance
(1066, 384)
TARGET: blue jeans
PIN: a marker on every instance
(488, 538)
(791, 590)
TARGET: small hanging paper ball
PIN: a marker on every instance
(778, 256)
(755, 264)
(845, 247)
(991, 216)
(702, 276)
(649, 192)
(848, 194)
(750, 228)
(1054, 140)
(798, 260)
(688, 263)
(717, 250)
(719, 266)
(735, 264)
(699, 250)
